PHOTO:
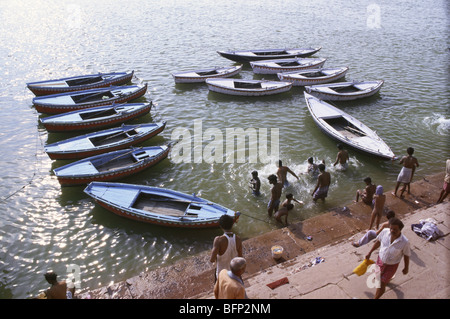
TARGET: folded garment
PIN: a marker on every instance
(278, 283)
(362, 267)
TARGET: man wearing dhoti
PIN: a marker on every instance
(406, 174)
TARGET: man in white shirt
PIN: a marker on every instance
(393, 246)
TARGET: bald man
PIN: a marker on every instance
(230, 285)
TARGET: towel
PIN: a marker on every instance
(278, 283)
(362, 267)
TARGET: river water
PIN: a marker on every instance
(44, 226)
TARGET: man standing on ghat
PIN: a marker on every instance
(393, 246)
(225, 247)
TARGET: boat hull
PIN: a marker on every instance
(290, 65)
(342, 127)
(52, 108)
(53, 125)
(331, 95)
(246, 56)
(46, 88)
(74, 179)
(196, 77)
(140, 134)
(121, 199)
(229, 87)
(297, 80)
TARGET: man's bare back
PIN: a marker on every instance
(324, 179)
(409, 162)
(57, 291)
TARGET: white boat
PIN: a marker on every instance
(345, 91)
(199, 76)
(158, 206)
(344, 128)
(267, 54)
(286, 65)
(313, 76)
(247, 87)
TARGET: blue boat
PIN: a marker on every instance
(79, 83)
(103, 141)
(72, 101)
(158, 206)
(110, 166)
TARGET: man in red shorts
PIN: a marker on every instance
(393, 246)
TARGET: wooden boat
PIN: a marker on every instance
(95, 117)
(110, 166)
(103, 141)
(72, 101)
(199, 76)
(345, 91)
(158, 205)
(79, 83)
(286, 65)
(247, 87)
(344, 128)
(313, 76)
(267, 54)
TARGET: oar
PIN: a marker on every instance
(178, 201)
(101, 112)
(117, 134)
(90, 96)
(119, 156)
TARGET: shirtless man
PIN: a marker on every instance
(58, 288)
(342, 158)
(282, 174)
(367, 194)
(275, 192)
(405, 176)
(378, 206)
(323, 183)
(255, 184)
(225, 247)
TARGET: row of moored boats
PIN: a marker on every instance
(295, 67)
(101, 103)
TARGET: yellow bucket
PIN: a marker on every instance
(277, 252)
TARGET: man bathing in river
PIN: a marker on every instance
(341, 158)
(282, 174)
(368, 192)
(323, 183)
(406, 174)
(275, 195)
